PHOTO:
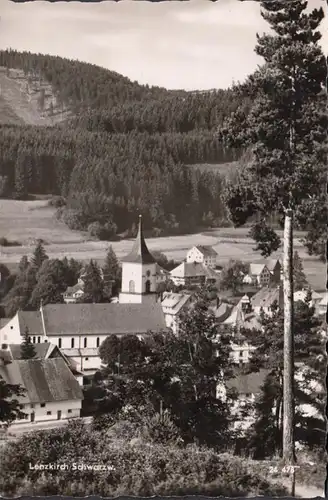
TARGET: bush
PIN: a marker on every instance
(136, 469)
(161, 429)
(102, 231)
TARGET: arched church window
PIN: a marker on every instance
(147, 286)
(148, 273)
(131, 286)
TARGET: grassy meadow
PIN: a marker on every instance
(27, 221)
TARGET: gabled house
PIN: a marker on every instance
(265, 298)
(73, 293)
(51, 390)
(193, 273)
(173, 304)
(204, 254)
(77, 328)
(258, 275)
(12, 352)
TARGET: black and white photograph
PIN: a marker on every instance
(163, 235)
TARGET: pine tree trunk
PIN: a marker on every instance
(288, 385)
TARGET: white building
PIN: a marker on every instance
(51, 390)
(193, 274)
(173, 304)
(73, 293)
(258, 275)
(79, 329)
(204, 254)
(139, 273)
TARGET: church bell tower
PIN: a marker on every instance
(139, 272)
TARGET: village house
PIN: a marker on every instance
(204, 254)
(73, 293)
(266, 298)
(316, 298)
(173, 304)
(51, 390)
(12, 352)
(258, 275)
(275, 269)
(193, 274)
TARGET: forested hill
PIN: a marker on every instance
(115, 147)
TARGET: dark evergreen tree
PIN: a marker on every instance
(299, 279)
(51, 282)
(10, 408)
(309, 372)
(39, 255)
(286, 130)
(23, 264)
(93, 284)
(27, 350)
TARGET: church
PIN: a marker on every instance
(79, 329)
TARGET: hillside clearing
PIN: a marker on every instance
(27, 221)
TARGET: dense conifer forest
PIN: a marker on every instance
(125, 148)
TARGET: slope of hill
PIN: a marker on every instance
(28, 100)
(111, 147)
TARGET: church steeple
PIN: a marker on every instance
(139, 253)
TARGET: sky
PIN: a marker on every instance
(192, 45)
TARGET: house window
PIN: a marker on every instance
(98, 341)
(59, 343)
(43, 405)
(48, 412)
(85, 341)
(39, 340)
(32, 406)
(147, 286)
(131, 286)
(34, 340)
(69, 411)
(86, 359)
(72, 343)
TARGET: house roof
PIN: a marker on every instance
(256, 269)
(3, 322)
(97, 319)
(222, 312)
(45, 380)
(207, 250)
(248, 383)
(139, 253)
(70, 290)
(41, 350)
(31, 320)
(161, 270)
(266, 296)
(86, 351)
(271, 264)
(174, 301)
(193, 269)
